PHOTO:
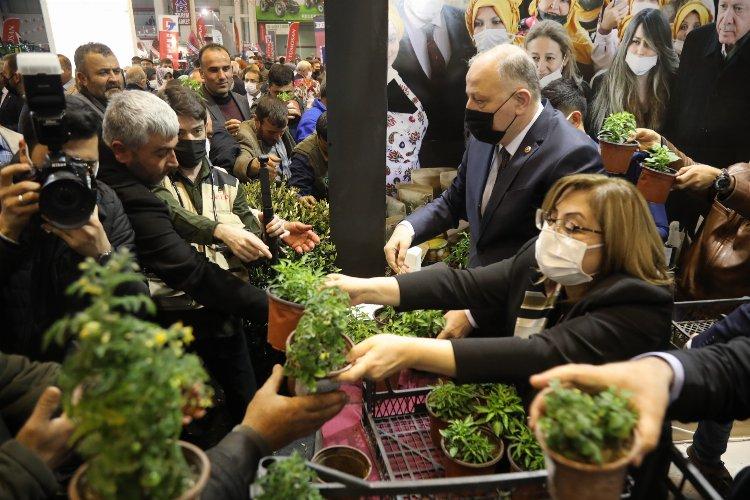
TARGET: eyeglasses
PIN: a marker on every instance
(567, 226)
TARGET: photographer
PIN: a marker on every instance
(38, 260)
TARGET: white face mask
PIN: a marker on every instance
(677, 44)
(491, 38)
(251, 87)
(547, 79)
(560, 257)
(640, 65)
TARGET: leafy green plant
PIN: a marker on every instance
(296, 281)
(360, 327)
(289, 478)
(193, 85)
(459, 254)
(589, 429)
(420, 323)
(318, 347)
(659, 159)
(501, 410)
(617, 127)
(465, 441)
(134, 379)
(449, 401)
(525, 450)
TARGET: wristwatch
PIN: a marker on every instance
(723, 182)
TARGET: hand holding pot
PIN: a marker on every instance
(647, 379)
(646, 138)
(457, 325)
(696, 177)
(280, 419)
(46, 436)
(395, 249)
(377, 357)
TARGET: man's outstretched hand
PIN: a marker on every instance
(301, 237)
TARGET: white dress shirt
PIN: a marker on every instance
(414, 29)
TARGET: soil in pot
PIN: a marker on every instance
(197, 461)
(345, 459)
(322, 385)
(570, 480)
(654, 185)
(457, 468)
(283, 317)
(524, 491)
(616, 157)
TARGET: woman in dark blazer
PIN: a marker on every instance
(592, 288)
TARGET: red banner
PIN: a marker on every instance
(168, 47)
(11, 27)
(291, 43)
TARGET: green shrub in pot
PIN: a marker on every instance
(501, 410)
(289, 478)
(360, 327)
(659, 158)
(426, 323)
(617, 127)
(459, 254)
(296, 281)
(449, 401)
(464, 441)
(525, 450)
(125, 387)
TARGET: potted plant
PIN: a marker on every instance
(657, 177)
(287, 478)
(425, 323)
(295, 284)
(448, 401)
(589, 439)
(470, 449)
(316, 350)
(458, 257)
(345, 459)
(125, 387)
(501, 410)
(525, 455)
(613, 142)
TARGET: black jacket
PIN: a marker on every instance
(709, 105)
(35, 274)
(10, 110)
(224, 148)
(618, 318)
(163, 252)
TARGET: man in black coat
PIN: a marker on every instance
(12, 101)
(38, 260)
(503, 176)
(432, 60)
(227, 108)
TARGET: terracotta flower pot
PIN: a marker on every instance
(322, 385)
(457, 468)
(655, 186)
(197, 461)
(616, 157)
(345, 459)
(283, 317)
(571, 480)
(437, 424)
(523, 491)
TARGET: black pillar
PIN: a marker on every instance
(356, 44)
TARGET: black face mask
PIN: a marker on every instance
(189, 152)
(479, 123)
(552, 17)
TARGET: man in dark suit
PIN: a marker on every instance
(518, 149)
(432, 60)
(227, 108)
(11, 101)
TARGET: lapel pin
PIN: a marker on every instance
(527, 149)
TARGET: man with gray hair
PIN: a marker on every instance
(135, 78)
(141, 131)
(519, 146)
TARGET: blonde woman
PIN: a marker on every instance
(492, 22)
(550, 47)
(591, 288)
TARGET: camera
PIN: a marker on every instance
(68, 193)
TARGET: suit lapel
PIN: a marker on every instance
(241, 102)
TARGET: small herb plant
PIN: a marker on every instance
(464, 441)
(459, 254)
(420, 323)
(449, 401)
(360, 327)
(296, 281)
(501, 410)
(525, 450)
(617, 127)
(289, 478)
(590, 429)
(319, 347)
(659, 159)
(134, 379)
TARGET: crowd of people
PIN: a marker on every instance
(566, 264)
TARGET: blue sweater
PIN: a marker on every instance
(306, 125)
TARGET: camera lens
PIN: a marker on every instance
(65, 200)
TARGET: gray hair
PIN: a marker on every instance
(132, 117)
(513, 64)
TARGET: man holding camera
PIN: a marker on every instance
(38, 258)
